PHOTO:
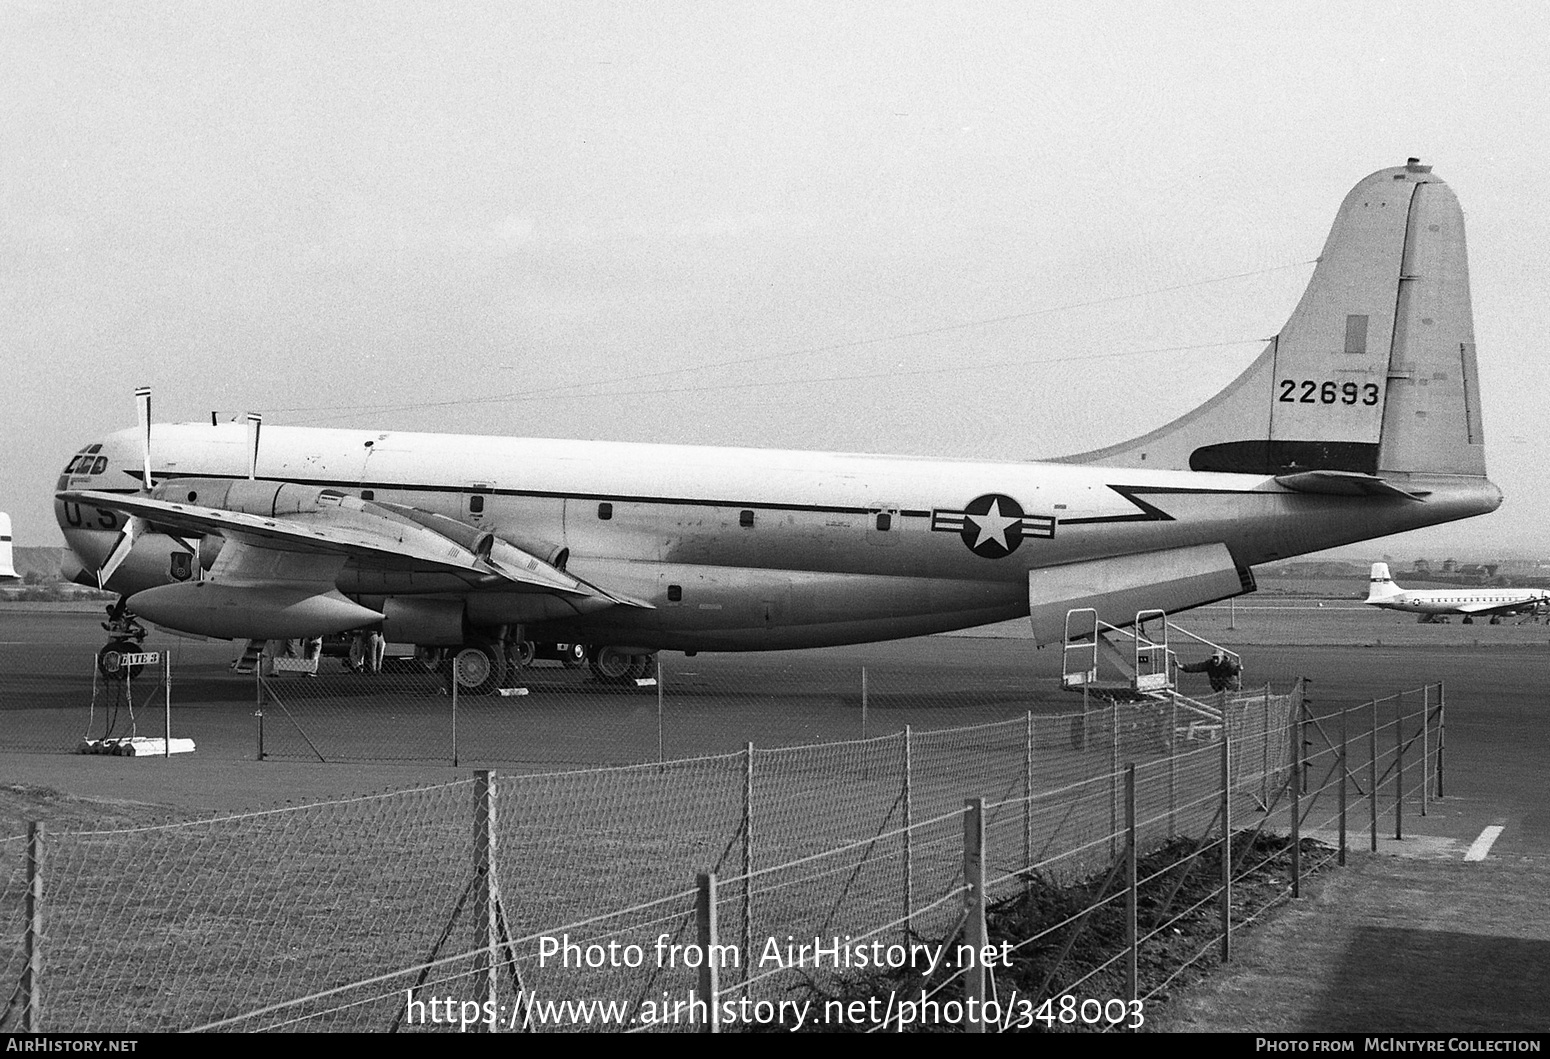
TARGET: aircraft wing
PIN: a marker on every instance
(1528, 602)
(375, 538)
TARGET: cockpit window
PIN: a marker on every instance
(87, 461)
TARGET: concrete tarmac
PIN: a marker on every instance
(1413, 938)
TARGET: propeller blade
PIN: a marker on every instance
(143, 403)
(255, 424)
(121, 549)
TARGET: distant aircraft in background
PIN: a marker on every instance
(7, 571)
(1470, 602)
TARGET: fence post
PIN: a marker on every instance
(747, 859)
(166, 687)
(909, 842)
(1173, 766)
(1442, 730)
(32, 966)
(1114, 794)
(705, 922)
(258, 686)
(487, 963)
(1344, 774)
(1264, 753)
(1426, 744)
(1226, 844)
(661, 742)
(1299, 770)
(1372, 780)
(974, 934)
(1132, 935)
(1399, 767)
(863, 702)
(1028, 797)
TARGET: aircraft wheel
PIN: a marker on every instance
(477, 668)
(522, 653)
(610, 663)
(641, 666)
(1468, 620)
(110, 660)
(574, 655)
(1496, 620)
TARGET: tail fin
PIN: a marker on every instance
(7, 571)
(1381, 587)
(1374, 374)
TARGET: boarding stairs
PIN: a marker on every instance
(250, 656)
(1135, 665)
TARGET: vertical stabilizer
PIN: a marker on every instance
(1375, 370)
(1381, 588)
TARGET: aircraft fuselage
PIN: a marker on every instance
(747, 549)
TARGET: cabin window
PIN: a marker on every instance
(368, 494)
(745, 519)
(476, 505)
(675, 593)
(605, 511)
(884, 521)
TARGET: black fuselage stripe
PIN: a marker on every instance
(1147, 512)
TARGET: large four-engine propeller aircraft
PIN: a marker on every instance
(1360, 419)
(1471, 602)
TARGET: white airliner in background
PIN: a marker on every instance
(1360, 419)
(1470, 602)
(7, 570)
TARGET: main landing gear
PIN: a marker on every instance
(483, 666)
(615, 666)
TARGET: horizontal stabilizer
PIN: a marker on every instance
(1344, 483)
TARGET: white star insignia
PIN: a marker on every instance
(993, 525)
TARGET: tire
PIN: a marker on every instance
(108, 660)
(573, 655)
(611, 664)
(522, 653)
(477, 668)
(641, 666)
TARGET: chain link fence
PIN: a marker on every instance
(344, 915)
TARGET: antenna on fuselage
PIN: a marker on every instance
(255, 424)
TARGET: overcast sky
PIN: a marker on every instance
(963, 229)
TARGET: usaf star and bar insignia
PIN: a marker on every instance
(993, 525)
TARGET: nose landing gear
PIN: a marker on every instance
(124, 636)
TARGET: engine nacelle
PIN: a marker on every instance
(236, 612)
(419, 620)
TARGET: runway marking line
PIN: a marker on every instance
(1482, 845)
